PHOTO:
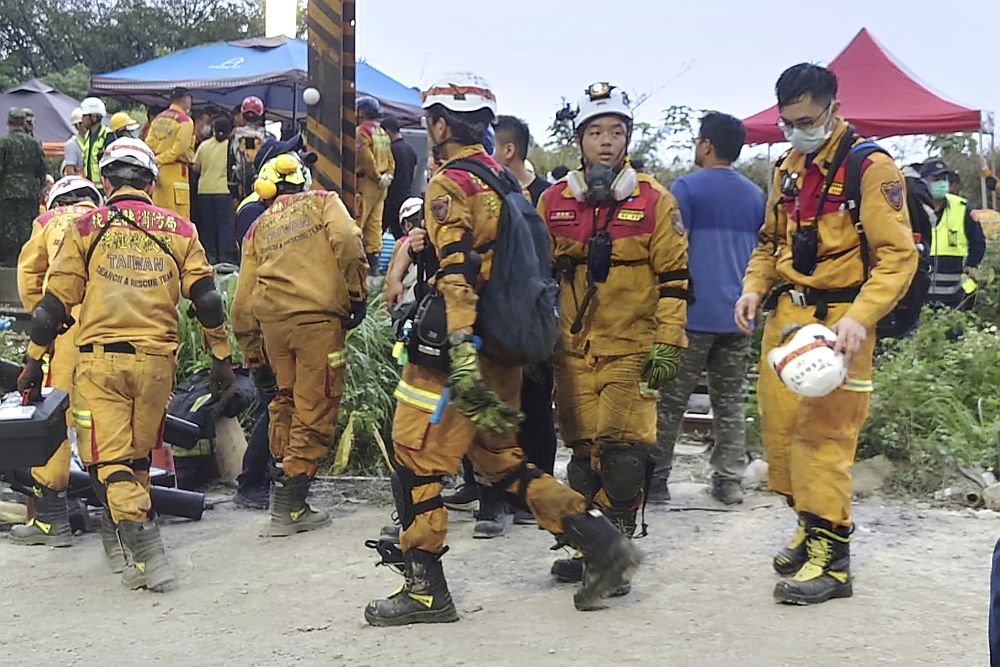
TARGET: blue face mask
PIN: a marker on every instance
(938, 188)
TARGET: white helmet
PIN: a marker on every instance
(599, 99)
(461, 91)
(807, 364)
(93, 105)
(76, 116)
(132, 152)
(68, 184)
(409, 207)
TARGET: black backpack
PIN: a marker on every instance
(517, 309)
(904, 315)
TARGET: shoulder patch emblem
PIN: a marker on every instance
(893, 193)
(631, 214)
(675, 220)
(440, 207)
(836, 189)
(562, 216)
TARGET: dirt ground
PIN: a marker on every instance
(703, 596)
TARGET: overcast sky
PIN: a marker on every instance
(712, 54)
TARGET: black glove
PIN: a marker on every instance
(358, 311)
(31, 379)
(264, 380)
(222, 380)
(991, 183)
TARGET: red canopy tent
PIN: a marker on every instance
(879, 97)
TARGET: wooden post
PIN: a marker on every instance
(330, 129)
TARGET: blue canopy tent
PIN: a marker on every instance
(274, 69)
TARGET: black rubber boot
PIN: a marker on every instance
(569, 570)
(290, 513)
(112, 545)
(584, 480)
(373, 264)
(791, 557)
(146, 561)
(423, 597)
(609, 558)
(827, 572)
(50, 525)
(466, 496)
(493, 517)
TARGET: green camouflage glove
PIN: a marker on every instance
(661, 365)
(471, 397)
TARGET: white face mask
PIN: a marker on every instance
(809, 140)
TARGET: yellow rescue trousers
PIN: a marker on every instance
(427, 449)
(371, 200)
(308, 356)
(172, 189)
(602, 401)
(809, 443)
(55, 473)
(119, 404)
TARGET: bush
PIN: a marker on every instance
(937, 400)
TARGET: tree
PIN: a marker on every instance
(57, 38)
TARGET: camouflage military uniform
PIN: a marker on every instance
(725, 357)
(22, 177)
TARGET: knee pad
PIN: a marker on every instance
(101, 487)
(524, 473)
(583, 478)
(624, 471)
(403, 482)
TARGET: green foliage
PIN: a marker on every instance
(937, 400)
(51, 38)
(192, 355)
(73, 81)
(372, 376)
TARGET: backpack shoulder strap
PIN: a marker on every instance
(501, 186)
(852, 192)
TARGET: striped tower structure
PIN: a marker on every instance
(330, 130)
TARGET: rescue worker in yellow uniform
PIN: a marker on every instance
(620, 255)
(71, 197)
(301, 288)
(375, 171)
(127, 264)
(811, 253)
(171, 138)
(467, 404)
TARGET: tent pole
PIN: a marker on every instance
(982, 177)
(295, 106)
(993, 163)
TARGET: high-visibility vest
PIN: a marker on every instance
(948, 238)
(93, 148)
(949, 248)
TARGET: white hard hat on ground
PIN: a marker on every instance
(807, 364)
(460, 92)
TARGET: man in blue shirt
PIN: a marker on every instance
(722, 212)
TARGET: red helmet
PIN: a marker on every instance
(253, 104)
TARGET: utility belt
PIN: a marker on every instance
(808, 296)
(118, 348)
